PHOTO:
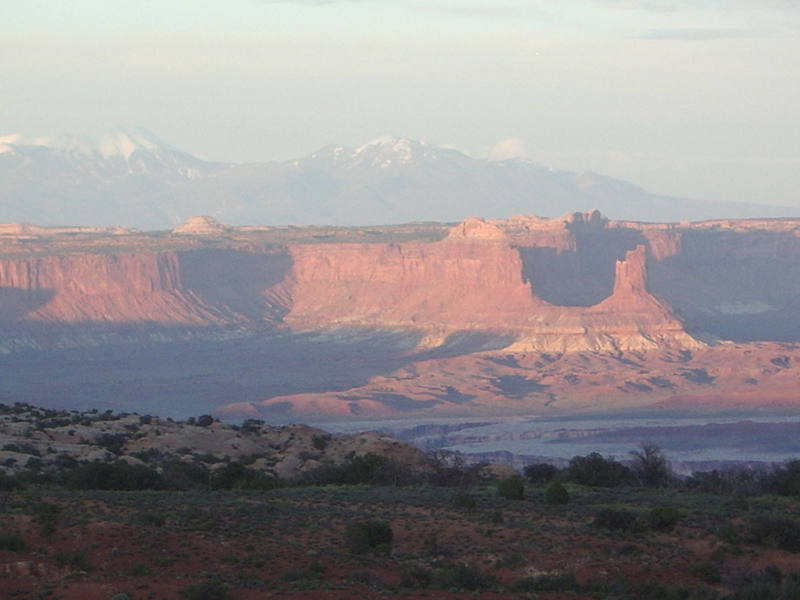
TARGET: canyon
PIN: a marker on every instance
(514, 316)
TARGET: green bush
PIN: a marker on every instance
(12, 542)
(707, 572)
(540, 472)
(464, 500)
(465, 577)
(512, 488)
(237, 476)
(766, 584)
(369, 469)
(212, 589)
(9, 483)
(77, 560)
(46, 515)
(369, 536)
(561, 582)
(417, 578)
(556, 494)
(776, 531)
(616, 519)
(204, 421)
(650, 466)
(594, 470)
(113, 442)
(663, 518)
(183, 475)
(115, 476)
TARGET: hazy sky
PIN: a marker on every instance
(693, 98)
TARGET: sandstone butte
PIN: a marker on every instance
(577, 284)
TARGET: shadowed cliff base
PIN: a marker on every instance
(236, 281)
(583, 276)
(186, 378)
(16, 303)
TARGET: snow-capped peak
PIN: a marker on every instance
(392, 144)
(123, 143)
(119, 152)
(385, 151)
(119, 143)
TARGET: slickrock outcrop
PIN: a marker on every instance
(287, 452)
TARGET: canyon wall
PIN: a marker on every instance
(577, 283)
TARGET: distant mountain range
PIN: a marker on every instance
(131, 178)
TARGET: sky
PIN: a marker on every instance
(697, 99)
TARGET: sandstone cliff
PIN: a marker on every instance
(423, 314)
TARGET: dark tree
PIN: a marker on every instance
(650, 466)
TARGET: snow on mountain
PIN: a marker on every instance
(135, 151)
(131, 178)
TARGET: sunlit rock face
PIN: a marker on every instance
(518, 313)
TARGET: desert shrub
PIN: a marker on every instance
(115, 476)
(650, 466)
(369, 536)
(707, 572)
(540, 472)
(77, 560)
(556, 494)
(235, 475)
(623, 589)
(775, 531)
(616, 519)
(22, 448)
(252, 425)
(766, 584)
(113, 442)
(138, 570)
(784, 480)
(417, 578)
(629, 550)
(320, 442)
(730, 533)
(65, 462)
(152, 518)
(450, 469)
(791, 587)
(663, 518)
(204, 421)
(184, 475)
(733, 481)
(9, 483)
(558, 582)
(12, 542)
(312, 572)
(464, 500)
(594, 470)
(46, 516)
(511, 489)
(369, 469)
(464, 576)
(211, 589)
(149, 455)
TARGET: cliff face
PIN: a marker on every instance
(525, 314)
(577, 283)
(168, 288)
(439, 288)
(472, 285)
(100, 287)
